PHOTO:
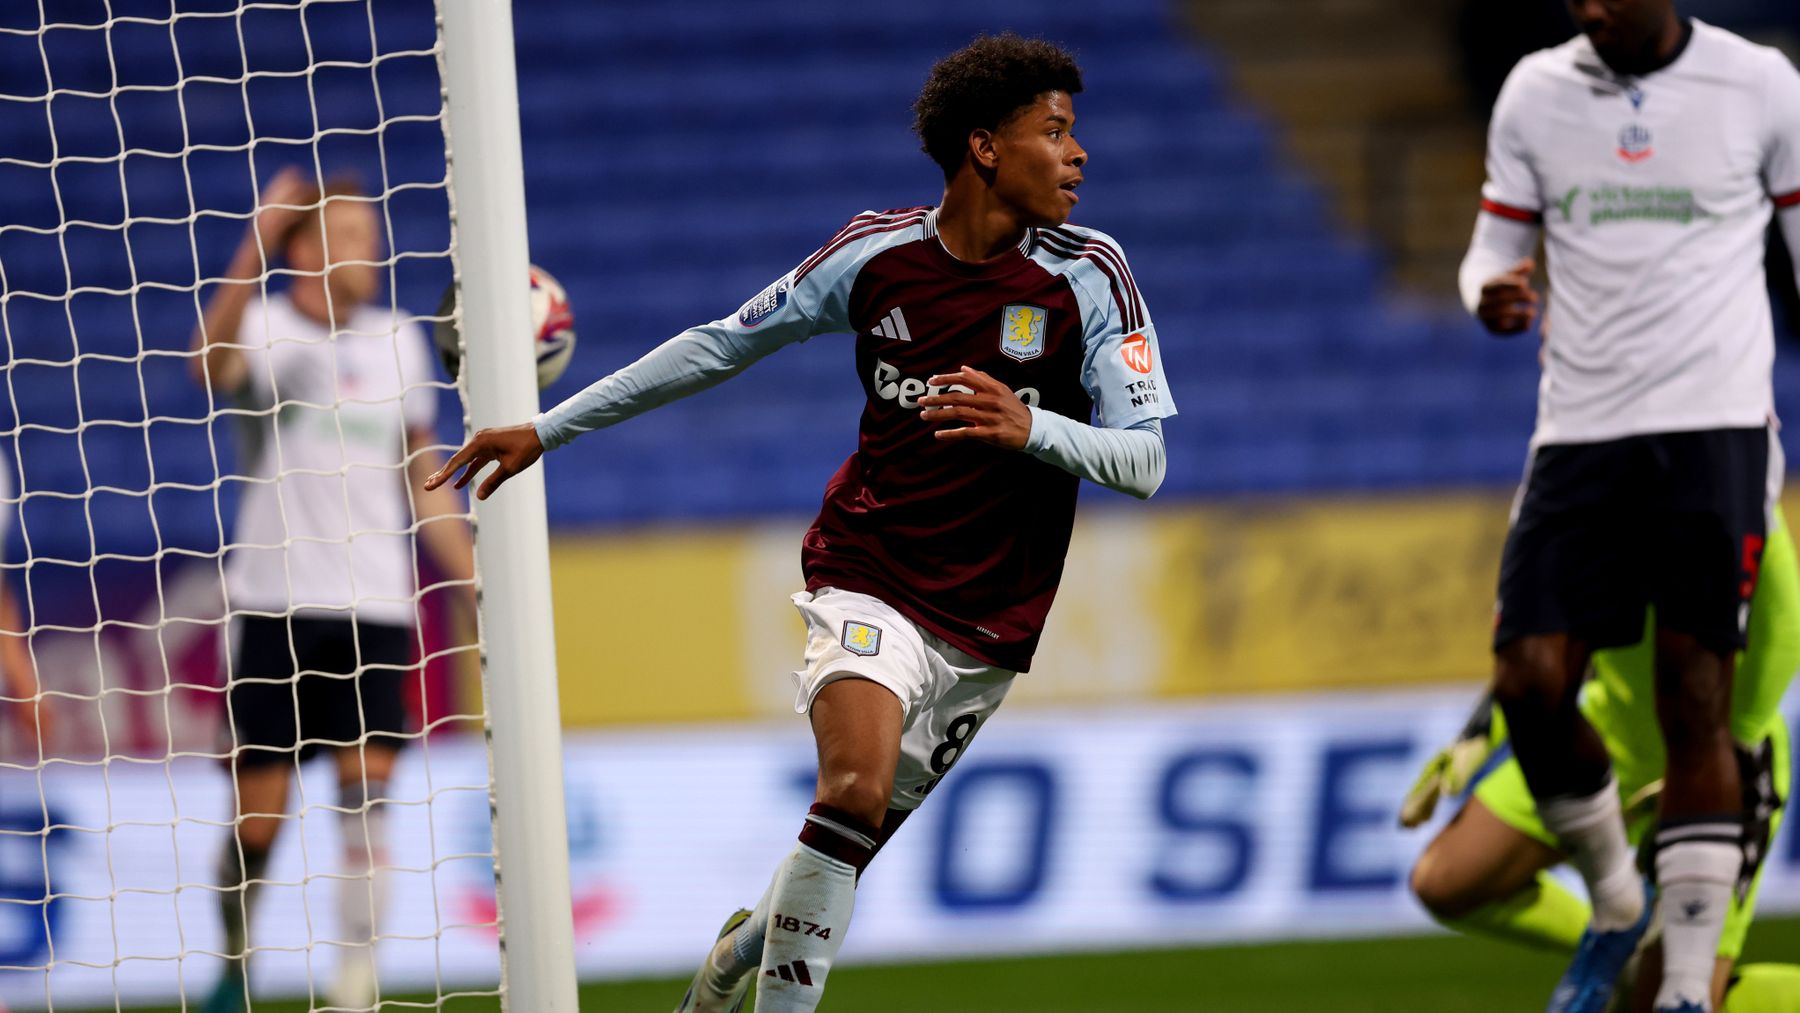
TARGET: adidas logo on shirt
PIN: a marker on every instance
(892, 327)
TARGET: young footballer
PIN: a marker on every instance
(988, 334)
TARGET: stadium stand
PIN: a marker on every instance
(678, 158)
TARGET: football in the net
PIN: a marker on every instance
(552, 328)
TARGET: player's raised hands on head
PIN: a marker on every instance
(512, 448)
(991, 414)
(280, 206)
(1509, 305)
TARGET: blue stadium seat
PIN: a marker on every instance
(679, 157)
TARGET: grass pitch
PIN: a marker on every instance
(1438, 974)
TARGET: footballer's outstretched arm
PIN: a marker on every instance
(688, 363)
(796, 307)
(809, 300)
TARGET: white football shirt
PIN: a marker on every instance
(1654, 192)
(324, 518)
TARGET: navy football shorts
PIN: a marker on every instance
(1601, 530)
(272, 714)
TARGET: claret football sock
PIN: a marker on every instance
(809, 909)
(1592, 827)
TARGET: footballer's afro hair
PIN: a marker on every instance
(981, 86)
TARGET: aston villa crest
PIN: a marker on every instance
(1022, 331)
(861, 638)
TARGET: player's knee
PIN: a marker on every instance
(862, 795)
(1529, 675)
(1444, 895)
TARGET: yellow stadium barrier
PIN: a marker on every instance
(1251, 596)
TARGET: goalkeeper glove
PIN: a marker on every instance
(1449, 771)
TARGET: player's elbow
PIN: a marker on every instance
(1147, 485)
(1153, 474)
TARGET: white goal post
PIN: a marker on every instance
(139, 146)
(512, 544)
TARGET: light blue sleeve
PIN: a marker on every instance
(1131, 461)
(1123, 375)
(799, 305)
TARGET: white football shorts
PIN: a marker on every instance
(945, 694)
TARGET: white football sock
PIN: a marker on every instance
(362, 892)
(1696, 869)
(1593, 829)
(809, 910)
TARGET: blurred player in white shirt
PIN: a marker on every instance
(320, 580)
(1650, 151)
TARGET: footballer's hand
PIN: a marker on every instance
(1509, 305)
(1446, 773)
(280, 207)
(991, 414)
(513, 448)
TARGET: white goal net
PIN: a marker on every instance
(223, 228)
